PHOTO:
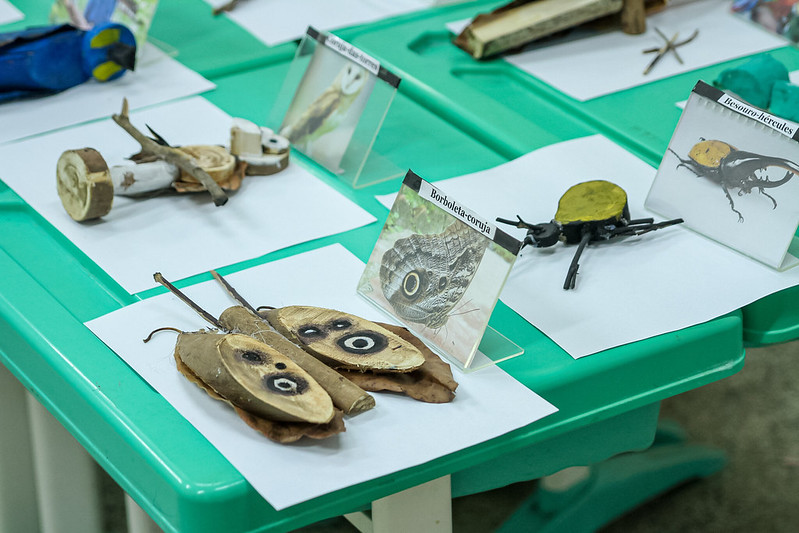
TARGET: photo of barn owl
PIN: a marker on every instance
(326, 108)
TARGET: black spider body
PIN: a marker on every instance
(587, 212)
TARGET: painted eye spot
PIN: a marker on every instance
(286, 384)
(252, 357)
(363, 342)
(280, 366)
(442, 283)
(411, 284)
(341, 323)
(311, 332)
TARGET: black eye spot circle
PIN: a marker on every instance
(341, 323)
(363, 342)
(286, 384)
(252, 357)
(412, 284)
(311, 331)
(442, 283)
(280, 366)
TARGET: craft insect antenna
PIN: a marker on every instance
(177, 292)
(158, 330)
(234, 293)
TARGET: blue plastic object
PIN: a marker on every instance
(49, 59)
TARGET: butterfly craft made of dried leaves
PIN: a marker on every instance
(295, 371)
(423, 277)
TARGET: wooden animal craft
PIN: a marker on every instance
(45, 60)
(273, 366)
(87, 186)
(590, 211)
(722, 163)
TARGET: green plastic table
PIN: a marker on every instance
(499, 103)
(608, 402)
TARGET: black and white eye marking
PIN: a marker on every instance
(442, 283)
(311, 332)
(363, 342)
(252, 357)
(341, 323)
(286, 384)
(412, 285)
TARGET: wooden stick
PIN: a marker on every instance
(633, 17)
(188, 301)
(227, 7)
(234, 293)
(171, 155)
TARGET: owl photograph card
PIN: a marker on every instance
(328, 103)
(438, 268)
(731, 171)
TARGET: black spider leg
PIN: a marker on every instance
(571, 275)
(643, 225)
(521, 224)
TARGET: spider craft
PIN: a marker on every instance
(589, 211)
(731, 168)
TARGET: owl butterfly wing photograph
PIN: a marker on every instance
(424, 277)
(328, 110)
(343, 340)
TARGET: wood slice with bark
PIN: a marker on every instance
(519, 23)
(84, 184)
(281, 432)
(254, 377)
(431, 383)
(345, 395)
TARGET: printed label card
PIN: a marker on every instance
(439, 269)
(731, 172)
(332, 105)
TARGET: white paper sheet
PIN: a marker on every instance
(184, 234)
(398, 433)
(277, 21)
(9, 13)
(628, 289)
(157, 78)
(593, 66)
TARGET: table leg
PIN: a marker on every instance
(18, 509)
(66, 481)
(138, 520)
(427, 507)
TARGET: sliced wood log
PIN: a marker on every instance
(254, 377)
(506, 29)
(84, 184)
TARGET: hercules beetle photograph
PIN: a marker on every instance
(732, 177)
